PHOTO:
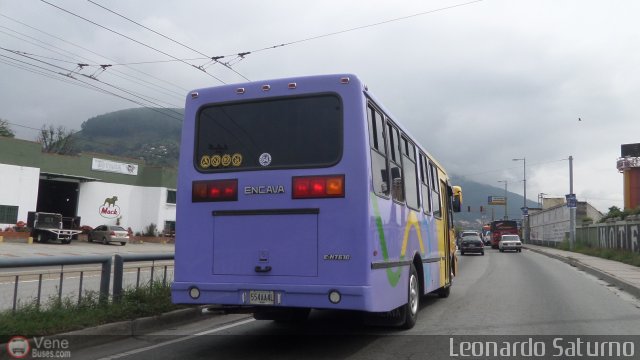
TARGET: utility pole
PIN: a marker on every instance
(525, 212)
(572, 208)
(506, 217)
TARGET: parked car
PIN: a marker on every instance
(510, 242)
(109, 233)
(471, 244)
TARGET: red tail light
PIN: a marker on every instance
(214, 190)
(113, 233)
(307, 187)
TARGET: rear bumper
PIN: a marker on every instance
(308, 296)
(472, 250)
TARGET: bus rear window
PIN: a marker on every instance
(283, 133)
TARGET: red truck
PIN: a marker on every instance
(502, 227)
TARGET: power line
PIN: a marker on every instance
(180, 94)
(168, 38)
(132, 39)
(244, 53)
(96, 88)
(241, 55)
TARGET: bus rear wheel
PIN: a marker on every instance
(410, 309)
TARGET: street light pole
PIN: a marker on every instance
(506, 217)
(524, 179)
(525, 224)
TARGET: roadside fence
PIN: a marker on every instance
(105, 265)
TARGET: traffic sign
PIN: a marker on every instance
(571, 200)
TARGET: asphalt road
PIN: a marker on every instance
(497, 294)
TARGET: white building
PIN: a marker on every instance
(550, 225)
(97, 188)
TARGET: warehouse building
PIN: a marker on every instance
(87, 189)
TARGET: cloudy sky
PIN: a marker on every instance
(478, 83)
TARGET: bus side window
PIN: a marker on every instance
(379, 173)
(411, 175)
(397, 182)
(435, 188)
(424, 179)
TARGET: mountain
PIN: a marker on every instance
(141, 133)
(475, 195)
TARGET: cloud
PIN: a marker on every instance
(477, 85)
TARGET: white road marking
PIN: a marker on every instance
(140, 350)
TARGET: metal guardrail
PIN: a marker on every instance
(107, 262)
(118, 269)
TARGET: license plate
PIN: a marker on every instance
(259, 297)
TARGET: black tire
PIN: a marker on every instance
(104, 240)
(482, 253)
(41, 238)
(123, 243)
(89, 239)
(410, 309)
(501, 250)
(461, 252)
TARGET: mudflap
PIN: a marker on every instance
(391, 318)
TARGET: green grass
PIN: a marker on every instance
(57, 316)
(622, 256)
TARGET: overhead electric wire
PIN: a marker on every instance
(168, 38)
(131, 39)
(180, 94)
(244, 53)
(97, 88)
(26, 68)
(241, 55)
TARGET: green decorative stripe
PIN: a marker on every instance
(393, 276)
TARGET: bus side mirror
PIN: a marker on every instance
(457, 198)
(456, 203)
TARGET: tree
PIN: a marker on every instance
(56, 140)
(5, 130)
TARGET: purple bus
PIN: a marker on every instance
(305, 193)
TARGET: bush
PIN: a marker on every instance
(150, 230)
(67, 314)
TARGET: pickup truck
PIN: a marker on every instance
(48, 226)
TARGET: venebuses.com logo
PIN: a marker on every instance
(19, 347)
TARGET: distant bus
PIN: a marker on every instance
(305, 193)
(502, 227)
